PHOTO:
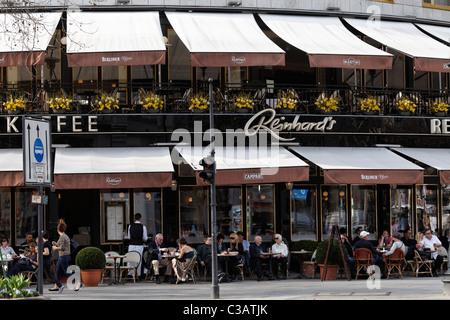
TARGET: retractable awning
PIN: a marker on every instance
(362, 165)
(433, 157)
(248, 165)
(114, 39)
(11, 167)
(24, 37)
(328, 43)
(98, 168)
(439, 32)
(225, 40)
(428, 53)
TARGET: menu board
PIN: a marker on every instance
(114, 221)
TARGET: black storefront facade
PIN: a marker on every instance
(297, 209)
(299, 204)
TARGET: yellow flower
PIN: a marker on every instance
(286, 101)
(243, 100)
(15, 103)
(107, 101)
(198, 101)
(327, 104)
(439, 106)
(405, 104)
(369, 104)
(61, 102)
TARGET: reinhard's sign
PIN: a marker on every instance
(37, 148)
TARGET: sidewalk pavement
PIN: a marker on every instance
(408, 288)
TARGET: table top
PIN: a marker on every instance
(170, 256)
(269, 253)
(301, 252)
(228, 254)
(116, 257)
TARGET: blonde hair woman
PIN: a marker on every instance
(233, 261)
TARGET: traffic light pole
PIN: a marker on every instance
(214, 267)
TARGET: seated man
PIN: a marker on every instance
(432, 242)
(366, 244)
(410, 244)
(204, 256)
(156, 248)
(256, 259)
(281, 259)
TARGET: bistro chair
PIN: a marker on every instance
(363, 259)
(312, 263)
(133, 258)
(394, 262)
(422, 266)
(444, 253)
(109, 266)
(190, 268)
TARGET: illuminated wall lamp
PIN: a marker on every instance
(289, 185)
(174, 185)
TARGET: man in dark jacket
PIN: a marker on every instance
(363, 242)
(256, 259)
(204, 251)
(137, 233)
(156, 261)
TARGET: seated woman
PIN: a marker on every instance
(397, 244)
(28, 263)
(385, 240)
(181, 263)
(281, 258)
(233, 261)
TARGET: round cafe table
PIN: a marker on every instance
(270, 255)
(301, 252)
(116, 273)
(227, 254)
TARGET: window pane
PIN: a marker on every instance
(194, 208)
(229, 210)
(401, 209)
(148, 204)
(260, 211)
(303, 215)
(364, 210)
(5, 213)
(446, 207)
(333, 209)
(26, 215)
(426, 207)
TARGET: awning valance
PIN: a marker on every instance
(11, 167)
(24, 37)
(328, 43)
(248, 165)
(362, 165)
(404, 37)
(114, 39)
(225, 40)
(433, 157)
(98, 168)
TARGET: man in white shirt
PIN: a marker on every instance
(281, 258)
(431, 242)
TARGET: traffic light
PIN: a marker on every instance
(208, 171)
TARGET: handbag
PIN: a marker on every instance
(73, 245)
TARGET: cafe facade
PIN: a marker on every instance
(296, 172)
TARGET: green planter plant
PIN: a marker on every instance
(91, 261)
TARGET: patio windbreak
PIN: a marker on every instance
(404, 37)
(362, 165)
(248, 165)
(433, 157)
(328, 43)
(114, 39)
(11, 167)
(225, 40)
(25, 36)
(105, 168)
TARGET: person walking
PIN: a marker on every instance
(137, 233)
(63, 248)
(47, 263)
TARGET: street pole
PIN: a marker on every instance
(214, 266)
(40, 275)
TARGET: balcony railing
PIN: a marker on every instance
(177, 97)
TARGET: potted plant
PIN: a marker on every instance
(327, 105)
(60, 103)
(107, 103)
(405, 106)
(369, 105)
(286, 102)
(15, 104)
(151, 102)
(243, 102)
(91, 261)
(439, 108)
(334, 258)
(198, 103)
